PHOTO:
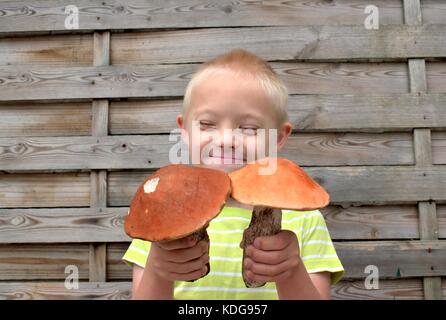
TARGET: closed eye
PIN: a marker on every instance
(249, 131)
(206, 125)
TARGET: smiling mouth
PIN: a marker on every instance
(227, 159)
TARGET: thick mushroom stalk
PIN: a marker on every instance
(200, 235)
(265, 221)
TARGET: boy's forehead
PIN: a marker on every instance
(227, 86)
(226, 93)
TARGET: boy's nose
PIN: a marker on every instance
(227, 138)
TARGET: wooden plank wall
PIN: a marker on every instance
(84, 117)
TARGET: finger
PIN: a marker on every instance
(173, 276)
(187, 254)
(278, 241)
(269, 269)
(270, 257)
(253, 277)
(184, 268)
(182, 243)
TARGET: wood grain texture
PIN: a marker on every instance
(62, 50)
(433, 11)
(412, 12)
(372, 222)
(98, 191)
(308, 113)
(21, 83)
(438, 147)
(42, 261)
(44, 190)
(45, 119)
(62, 225)
(142, 14)
(436, 77)
(153, 151)
(346, 185)
(281, 43)
(57, 291)
(402, 289)
(68, 225)
(394, 259)
(423, 149)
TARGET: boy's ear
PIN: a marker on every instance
(283, 135)
(181, 125)
(180, 121)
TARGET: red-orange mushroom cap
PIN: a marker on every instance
(176, 201)
(288, 187)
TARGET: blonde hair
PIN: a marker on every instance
(240, 62)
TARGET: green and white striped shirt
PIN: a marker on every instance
(225, 233)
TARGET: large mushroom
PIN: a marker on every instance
(288, 187)
(177, 201)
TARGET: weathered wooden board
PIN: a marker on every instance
(394, 112)
(153, 151)
(198, 45)
(346, 185)
(44, 190)
(143, 14)
(40, 82)
(394, 259)
(281, 43)
(433, 11)
(401, 289)
(436, 77)
(63, 50)
(441, 220)
(62, 225)
(307, 113)
(49, 119)
(42, 261)
(80, 225)
(439, 147)
(373, 222)
(58, 291)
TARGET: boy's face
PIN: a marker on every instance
(222, 102)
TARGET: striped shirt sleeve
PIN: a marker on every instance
(317, 250)
(137, 253)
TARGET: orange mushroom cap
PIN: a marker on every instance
(289, 187)
(176, 201)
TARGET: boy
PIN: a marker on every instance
(238, 91)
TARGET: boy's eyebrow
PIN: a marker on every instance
(207, 112)
(251, 116)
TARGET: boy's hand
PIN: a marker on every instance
(272, 258)
(179, 260)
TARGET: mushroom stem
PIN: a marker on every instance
(265, 221)
(200, 235)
